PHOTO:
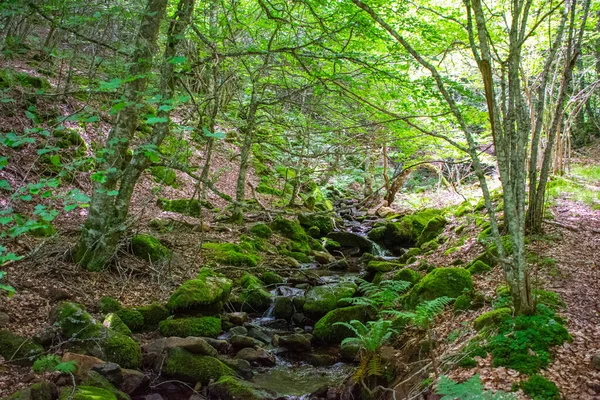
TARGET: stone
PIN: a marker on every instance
(237, 318)
(296, 342)
(111, 371)
(221, 345)
(242, 367)
(348, 239)
(240, 342)
(238, 330)
(385, 212)
(58, 294)
(192, 368)
(299, 319)
(259, 334)
(231, 388)
(195, 345)
(4, 320)
(322, 299)
(320, 360)
(256, 356)
(283, 307)
(339, 265)
(45, 336)
(322, 257)
(349, 351)
(205, 294)
(84, 363)
(134, 382)
(38, 391)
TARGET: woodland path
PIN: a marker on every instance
(576, 278)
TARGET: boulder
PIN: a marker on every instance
(17, 349)
(134, 382)
(324, 222)
(254, 297)
(326, 330)
(241, 367)
(195, 345)
(352, 240)
(221, 345)
(149, 248)
(440, 282)
(184, 327)
(205, 294)
(111, 371)
(407, 275)
(238, 330)
(383, 266)
(322, 257)
(241, 342)
(283, 307)
(86, 393)
(230, 388)
(96, 380)
(322, 299)
(297, 342)
(191, 368)
(349, 351)
(237, 318)
(256, 356)
(38, 391)
(84, 363)
(258, 333)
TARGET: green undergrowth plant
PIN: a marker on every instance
(540, 388)
(51, 363)
(383, 296)
(471, 389)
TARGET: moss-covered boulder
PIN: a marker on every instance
(383, 266)
(184, 327)
(132, 318)
(231, 388)
(205, 294)
(440, 282)
(254, 298)
(75, 322)
(271, 278)
(153, 314)
(38, 391)
(352, 240)
(492, 318)
(191, 207)
(122, 350)
(478, 267)
(283, 307)
(261, 230)
(112, 321)
(192, 368)
(322, 299)
(149, 248)
(430, 246)
(95, 379)
(326, 331)
(164, 175)
(407, 275)
(290, 229)
(415, 229)
(86, 393)
(232, 254)
(376, 234)
(17, 349)
(108, 305)
(463, 208)
(324, 222)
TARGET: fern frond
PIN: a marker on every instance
(375, 367)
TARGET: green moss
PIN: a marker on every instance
(265, 188)
(492, 318)
(75, 322)
(383, 266)
(300, 257)
(18, 349)
(410, 254)
(290, 229)
(261, 230)
(153, 314)
(191, 207)
(232, 388)
(478, 267)
(112, 321)
(232, 254)
(324, 222)
(271, 278)
(462, 303)
(86, 393)
(148, 247)
(94, 379)
(326, 330)
(407, 275)
(314, 232)
(122, 350)
(377, 234)
(108, 305)
(192, 368)
(184, 327)
(463, 209)
(322, 299)
(38, 391)
(440, 282)
(254, 297)
(205, 294)
(523, 343)
(132, 318)
(164, 175)
(540, 388)
(549, 299)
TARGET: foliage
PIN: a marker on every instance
(385, 295)
(10, 291)
(326, 330)
(471, 389)
(540, 388)
(424, 313)
(51, 363)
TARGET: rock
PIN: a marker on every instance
(242, 367)
(254, 297)
(383, 266)
(385, 212)
(134, 382)
(322, 257)
(111, 371)
(320, 360)
(326, 330)
(230, 388)
(339, 265)
(221, 345)
(240, 342)
(271, 278)
(278, 324)
(153, 396)
(112, 321)
(407, 275)
(322, 299)
(149, 248)
(153, 314)
(283, 307)
(256, 356)
(191, 368)
(183, 327)
(58, 294)
(349, 351)
(451, 282)
(45, 336)
(84, 392)
(322, 221)
(299, 319)
(238, 330)
(237, 318)
(259, 334)
(38, 391)
(96, 380)
(4, 320)
(17, 349)
(196, 345)
(205, 294)
(596, 361)
(296, 342)
(348, 239)
(84, 363)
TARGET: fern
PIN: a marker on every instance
(425, 312)
(472, 389)
(51, 363)
(384, 295)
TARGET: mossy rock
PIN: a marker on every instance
(153, 314)
(184, 327)
(38, 391)
(290, 229)
(411, 253)
(192, 368)
(191, 207)
(383, 266)
(430, 246)
(86, 393)
(75, 322)
(147, 247)
(440, 282)
(205, 294)
(232, 254)
(231, 388)
(377, 234)
(261, 230)
(407, 275)
(315, 244)
(283, 307)
(492, 318)
(9, 78)
(468, 301)
(254, 298)
(17, 349)
(478, 267)
(108, 305)
(463, 208)
(95, 379)
(326, 331)
(330, 244)
(164, 175)
(300, 257)
(271, 278)
(122, 350)
(132, 318)
(112, 321)
(322, 299)
(324, 222)
(314, 232)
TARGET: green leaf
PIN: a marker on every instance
(112, 193)
(156, 120)
(4, 185)
(216, 135)
(178, 60)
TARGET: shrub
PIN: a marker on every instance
(540, 388)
